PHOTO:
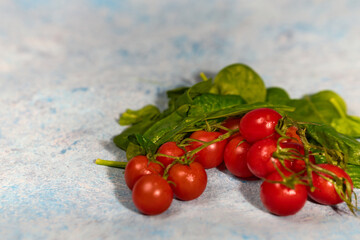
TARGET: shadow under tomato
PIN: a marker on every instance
(116, 176)
(222, 168)
(249, 187)
(338, 209)
(121, 191)
(251, 192)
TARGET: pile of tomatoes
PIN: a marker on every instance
(246, 146)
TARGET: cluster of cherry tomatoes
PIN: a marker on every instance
(246, 146)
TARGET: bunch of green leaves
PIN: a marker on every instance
(325, 107)
(235, 90)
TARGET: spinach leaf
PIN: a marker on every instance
(349, 125)
(133, 150)
(328, 137)
(134, 116)
(239, 110)
(162, 131)
(240, 79)
(145, 143)
(276, 95)
(313, 110)
(209, 102)
(197, 89)
(122, 140)
(173, 96)
(325, 107)
(354, 173)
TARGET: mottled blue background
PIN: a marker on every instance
(69, 68)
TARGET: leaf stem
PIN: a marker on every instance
(109, 163)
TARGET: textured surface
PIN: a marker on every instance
(68, 70)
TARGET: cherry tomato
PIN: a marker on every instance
(281, 200)
(171, 149)
(260, 160)
(212, 155)
(291, 132)
(139, 166)
(189, 180)
(297, 165)
(325, 192)
(230, 123)
(235, 157)
(258, 124)
(152, 194)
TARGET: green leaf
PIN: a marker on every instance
(354, 173)
(145, 143)
(122, 140)
(134, 150)
(328, 137)
(161, 131)
(318, 107)
(240, 79)
(349, 125)
(175, 93)
(239, 110)
(325, 107)
(173, 96)
(276, 95)
(197, 89)
(134, 116)
(331, 96)
(208, 102)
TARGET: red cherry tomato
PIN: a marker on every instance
(291, 132)
(152, 194)
(189, 180)
(258, 124)
(230, 123)
(212, 155)
(325, 192)
(139, 166)
(297, 165)
(260, 160)
(281, 200)
(171, 149)
(235, 157)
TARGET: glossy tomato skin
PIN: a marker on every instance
(258, 124)
(297, 165)
(189, 180)
(325, 192)
(211, 156)
(171, 149)
(235, 157)
(260, 160)
(292, 132)
(230, 123)
(152, 194)
(281, 200)
(139, 166)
